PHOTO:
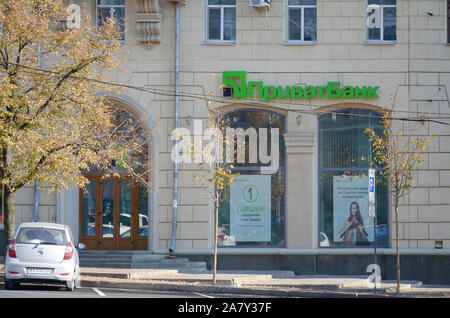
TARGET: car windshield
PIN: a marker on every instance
(41, 236)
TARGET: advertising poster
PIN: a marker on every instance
(351, 222)
(250, 208)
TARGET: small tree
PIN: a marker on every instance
(217, 176)
(53, 124)
(397, 156)
(214, 174)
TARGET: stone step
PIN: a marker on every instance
(105, 261)
(192, 265)
(111, 265)
(105, 257)
(108, 252)
(136, 260)
(161, 261)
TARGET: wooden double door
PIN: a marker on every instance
(113, 214)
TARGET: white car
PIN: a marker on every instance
(42, 253)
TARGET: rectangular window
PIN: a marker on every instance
(41, 235)
(343, 182)
(112, 9)
(1, 206)
(252, 210)
(221, 20)
(448, 21)
(302, 20)
(381, 21)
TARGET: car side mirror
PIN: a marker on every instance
(81, 246)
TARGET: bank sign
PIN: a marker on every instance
(237, 80)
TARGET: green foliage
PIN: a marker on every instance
(52, 123)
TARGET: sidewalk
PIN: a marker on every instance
(262, 283)
(267, 283)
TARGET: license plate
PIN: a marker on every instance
(45, 271)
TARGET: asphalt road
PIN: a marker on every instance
(55, 291)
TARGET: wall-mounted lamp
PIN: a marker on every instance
(438, 244)
(299, 119)
(188, 120)
(430, 14)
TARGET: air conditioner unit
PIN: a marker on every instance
(259, 3)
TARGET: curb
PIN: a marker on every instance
(230, 289)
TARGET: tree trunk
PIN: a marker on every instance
(216, 226)
(9, 216)
(397, 247)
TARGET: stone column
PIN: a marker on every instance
(301, 190)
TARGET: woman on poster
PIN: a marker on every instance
(353, 230)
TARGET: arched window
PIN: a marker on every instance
(344, 154)
(113, 209)
(254, 212)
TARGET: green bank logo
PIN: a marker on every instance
(237, 80)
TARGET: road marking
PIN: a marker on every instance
(202, 295)
(99, 292)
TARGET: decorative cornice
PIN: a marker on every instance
(148, 22)
(300, 142)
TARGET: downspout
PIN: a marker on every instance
(175, 165)
(36, 183)
(36, 202)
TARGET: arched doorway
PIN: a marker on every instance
(113, 206)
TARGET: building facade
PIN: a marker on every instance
(318, 73)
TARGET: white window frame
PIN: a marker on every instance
(381, 40)
(222, 22)
(302, 26)
(111, 7)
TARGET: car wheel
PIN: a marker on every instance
(77, 277)
(8, 284)
(78, 282)
(11, 284)
(70, 285)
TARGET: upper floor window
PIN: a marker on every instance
(221, 19)
(112, 9)
(381, 22)
(302, 20)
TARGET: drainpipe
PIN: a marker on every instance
(36, 183)
(36, 202)
(175, 165)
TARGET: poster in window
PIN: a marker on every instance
(250, 207)
(351, 222)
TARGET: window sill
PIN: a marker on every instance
(380, 42)
(219, 43)
(300, 43)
